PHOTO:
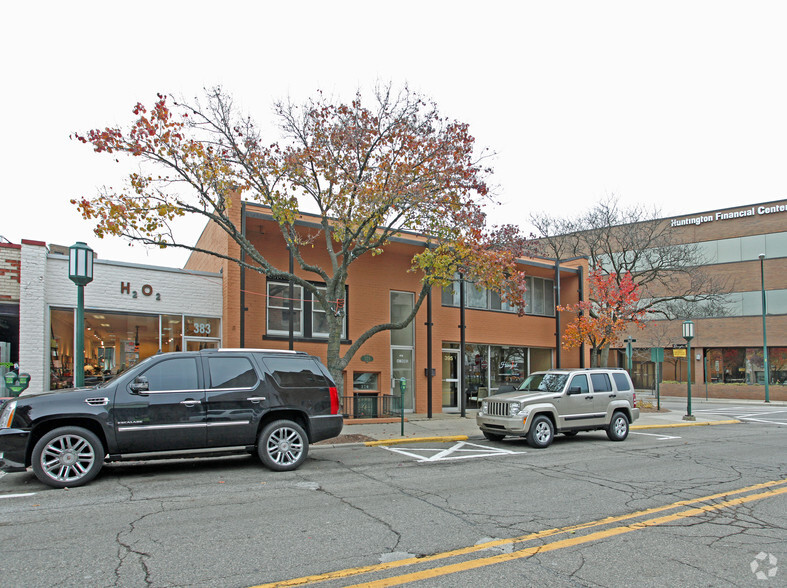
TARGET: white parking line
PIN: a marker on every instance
(660, 436)
(467, 451)
(17, 495)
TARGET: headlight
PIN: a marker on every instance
(513, 408)
(484, 405)
(7, 416)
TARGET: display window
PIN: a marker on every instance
(115, 341)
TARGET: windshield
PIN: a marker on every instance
(544, 382)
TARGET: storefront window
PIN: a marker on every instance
(171, 332)
(116, 341)
(197, 326)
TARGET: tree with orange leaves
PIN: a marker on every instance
(369, 171)
(613, 304)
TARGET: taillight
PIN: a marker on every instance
(635, 400)
(334, 399)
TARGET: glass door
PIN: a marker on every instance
(402, 349)
(402, 367)
(451, 378)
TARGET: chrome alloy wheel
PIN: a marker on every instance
(285, 446)
(67, 458)
(620, 426)
(543, 432)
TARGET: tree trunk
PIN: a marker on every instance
(604, 356)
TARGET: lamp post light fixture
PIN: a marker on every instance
(688, 334)
(764, 332)
(80, 271)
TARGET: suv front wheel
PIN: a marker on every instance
(541, 432)
(618, 428)
(283, 445)
(67, 457)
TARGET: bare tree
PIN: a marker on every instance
(671, 276)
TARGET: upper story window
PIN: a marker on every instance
(539, 297)
(309, 317)
(280, 307)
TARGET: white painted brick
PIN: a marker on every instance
(45, 284)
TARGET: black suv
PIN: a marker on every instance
(175, 404)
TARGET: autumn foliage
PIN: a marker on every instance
(369, 171)
(612, 305)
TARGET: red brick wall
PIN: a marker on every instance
(370, 282)
(10, 271)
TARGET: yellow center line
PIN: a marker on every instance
(506, 557)
(346, 573)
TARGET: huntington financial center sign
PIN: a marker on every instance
(735, 214)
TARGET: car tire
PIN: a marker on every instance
(541, 432)
(618, 428)
(283, 445)
(67, 457)
(493, 436)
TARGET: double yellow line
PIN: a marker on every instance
(772, 488)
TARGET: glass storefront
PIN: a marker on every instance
(488, 369)
(115, 341)
(745, 365)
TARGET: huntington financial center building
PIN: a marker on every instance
(727, 351)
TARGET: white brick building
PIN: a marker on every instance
(131, 312)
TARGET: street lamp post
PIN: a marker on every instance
(80, 271)
(764, 332)
(688, 334)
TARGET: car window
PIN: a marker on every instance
(231, 372)
(580, 381)
(544, 382)
(172, 374)
(621, 382)
(601, 382)
(295, 372)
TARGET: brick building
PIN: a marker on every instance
(727, 351)
(501, 347)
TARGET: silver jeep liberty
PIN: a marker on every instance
(562, 401)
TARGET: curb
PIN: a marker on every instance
(417, 440)
(672, 425)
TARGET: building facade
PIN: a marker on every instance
(728, 349)
(132, 311)
(500, 349)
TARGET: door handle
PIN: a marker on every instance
(191, 403)
(613, 395)
(256, 399)
(588, 398)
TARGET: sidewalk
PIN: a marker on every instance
(453, 427)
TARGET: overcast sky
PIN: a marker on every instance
(679, 104)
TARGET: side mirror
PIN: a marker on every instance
(140, 385)
(574, 390)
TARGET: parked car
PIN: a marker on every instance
(273, 403)
(562, 401)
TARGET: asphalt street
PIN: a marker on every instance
(687, 506)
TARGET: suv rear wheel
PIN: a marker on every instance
(541, 432)
(283, 445)
(618, 428)
(67, 457)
